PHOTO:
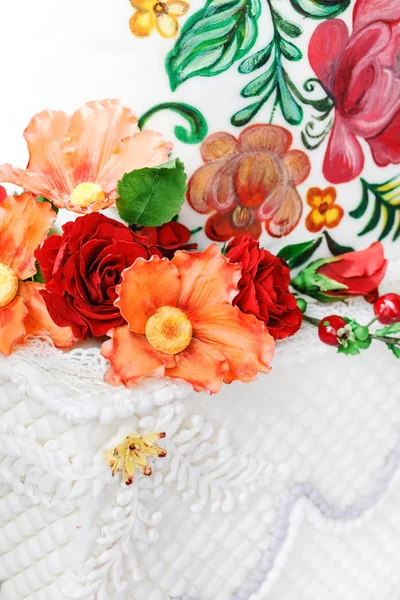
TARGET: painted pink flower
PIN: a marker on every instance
(362, 72)
(248, 180)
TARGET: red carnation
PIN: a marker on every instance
(169, 238)
(81, 269)
(264, 287)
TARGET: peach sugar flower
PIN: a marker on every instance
(24, 224)
(162, 16)
(182, 325)
(325, 212)
(249, 180)
(76, 161)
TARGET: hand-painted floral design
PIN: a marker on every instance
(169, 238)
(362, 73)
(249, 180)
(182, 325)
(133, 453)
(153, 14)
(76, 161)
(324, 210)
(24, 224)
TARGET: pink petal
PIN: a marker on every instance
(344, 158)
(385, 147)
(369, 11)
(325, 48)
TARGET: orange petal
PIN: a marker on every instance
(95, 130)
(177, 8)
(315, 221)
(241, 338)
(144, 149)
(314, 197)
(288, 215)
(37, 183)
(200, 187)
(265, 137)
(329, 195)
(38, 321)
(24, 224)
(218, 145)
(207, 278)
(201, 365)
(256, 176)
(12, 327)
(132, 358)
(146, 286)
(298, 164)
(220, 228)
(333, 216)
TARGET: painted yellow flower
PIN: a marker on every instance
(132, 454)
(163, 16)
(325, 212)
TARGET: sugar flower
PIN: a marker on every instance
(24, 224)
(133, 453)
(76, 161)
(181, 324)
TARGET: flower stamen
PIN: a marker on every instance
(169, 330)
(8, 285)
(86, 194)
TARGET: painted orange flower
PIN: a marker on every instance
(249, 180)
(325, 212)
(162, 16)
(181, 324)
(24, 224)
(76, 161)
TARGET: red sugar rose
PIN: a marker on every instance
(169, 238)
(264, 287)
(81, 269)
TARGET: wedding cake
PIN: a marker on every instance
(200, 300)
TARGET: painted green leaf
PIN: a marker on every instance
(265, 81)
(389, 330)
(291, 110)
(289, 50)
(257, 60)
(290, 29)
(320, 9)
(213, 39)
(334, 247)
(381, 202)
(394, 349)
(152, 196)
(297, 254)
(198, 127)
(245, 115)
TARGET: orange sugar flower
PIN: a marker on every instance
(153, 14)
(325, 212)
(181, 324)
(24, 224)
(76, 161)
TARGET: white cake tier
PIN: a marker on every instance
(280, 489)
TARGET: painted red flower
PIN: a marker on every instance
(362, 73)
(248, 180)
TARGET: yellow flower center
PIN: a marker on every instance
(242, 216)
(86, 194)
(8, 285)
(169, 330)
(160, 8)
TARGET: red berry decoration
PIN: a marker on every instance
(387, 309)
(328, 329)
